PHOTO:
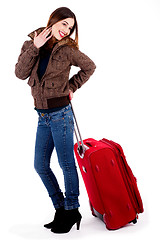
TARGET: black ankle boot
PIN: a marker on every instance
(70, 218)
(59, 215)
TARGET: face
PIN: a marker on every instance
(62, 28)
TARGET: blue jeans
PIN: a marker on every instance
(56, 130)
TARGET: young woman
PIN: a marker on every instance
(46, 59)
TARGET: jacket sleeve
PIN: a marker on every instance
(26, 60)
(87, 68)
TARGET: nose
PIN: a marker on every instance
(66, 30)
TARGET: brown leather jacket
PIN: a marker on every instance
(55, 81)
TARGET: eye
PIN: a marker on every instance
(64, 24)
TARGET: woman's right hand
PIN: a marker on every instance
(42, 38)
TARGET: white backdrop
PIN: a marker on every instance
(119, 102)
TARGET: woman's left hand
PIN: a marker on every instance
(70, 94)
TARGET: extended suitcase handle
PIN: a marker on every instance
(81, 147)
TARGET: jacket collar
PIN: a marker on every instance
(65, 41)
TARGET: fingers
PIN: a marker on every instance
(46, 31)
(43, 37)
(49, 37)
(35, 34)
(70, 95)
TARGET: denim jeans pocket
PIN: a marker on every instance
(59, 115)
(42, 118)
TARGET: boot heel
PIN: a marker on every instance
(78, 225)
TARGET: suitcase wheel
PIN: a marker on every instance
(134, 221)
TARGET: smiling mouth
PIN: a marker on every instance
(62, 34)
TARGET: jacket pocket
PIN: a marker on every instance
(50, 89)
(31, 82)
(49, 84)
(34, 87)
(59, 63)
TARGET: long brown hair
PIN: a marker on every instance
(58, 15)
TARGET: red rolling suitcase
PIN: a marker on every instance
(110, 184)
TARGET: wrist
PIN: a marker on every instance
(35, 45)
(34, 50)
